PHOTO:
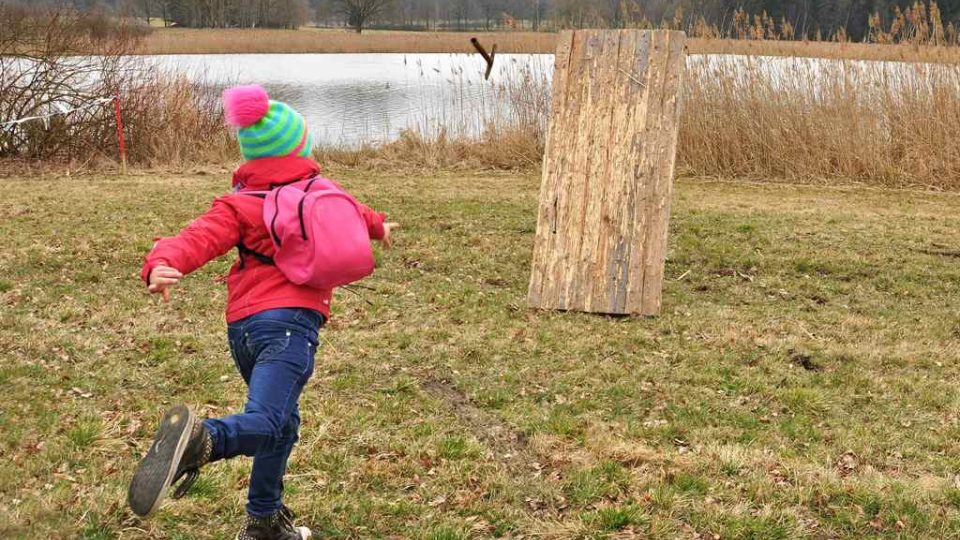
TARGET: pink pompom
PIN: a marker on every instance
(244, 106)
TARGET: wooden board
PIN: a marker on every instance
(608, 172)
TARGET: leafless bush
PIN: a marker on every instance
(61, 70)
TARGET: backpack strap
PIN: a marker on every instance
(244, 251)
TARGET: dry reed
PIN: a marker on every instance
(170, 120)
(312, 40)
(229, 41)
(508, 134)
(807, 120)
(798, 120)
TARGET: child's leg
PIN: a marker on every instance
(274, 353)
(275, 385)
(281, 345)
(266, 480)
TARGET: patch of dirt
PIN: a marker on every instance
(510, 447)
(509, 444)
(803, 360)
(940, 250)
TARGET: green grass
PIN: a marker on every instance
(800, 383)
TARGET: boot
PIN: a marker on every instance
(279, 526)
(182, 445)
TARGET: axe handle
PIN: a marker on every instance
(483, 52)
(489, 57)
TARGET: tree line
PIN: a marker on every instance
(194, 13)
(857, 20)
(801, 19)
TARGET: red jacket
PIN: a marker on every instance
(252, 286)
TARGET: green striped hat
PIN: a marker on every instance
(266, 128)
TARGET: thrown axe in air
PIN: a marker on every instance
(489, 57)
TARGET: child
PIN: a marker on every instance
(272, 324)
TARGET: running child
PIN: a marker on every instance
(272, 324)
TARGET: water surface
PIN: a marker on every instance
(353, 99)
(350, 99)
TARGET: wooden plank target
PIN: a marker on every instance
(608, 172)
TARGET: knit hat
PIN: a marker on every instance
(265, 128)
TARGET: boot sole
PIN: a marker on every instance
(150, 482)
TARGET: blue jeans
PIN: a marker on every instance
(273, 351)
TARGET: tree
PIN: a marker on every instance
(146, 7)
(491, 10)
(358, 12)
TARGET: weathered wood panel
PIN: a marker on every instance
(608, 172)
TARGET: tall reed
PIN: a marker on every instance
(470, 124)
(810, 120)
(239, 41)
(786, 119)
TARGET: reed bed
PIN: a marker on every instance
(473, 125)
(312, 40)
(804, 120)
(795, 120)
(169, 121)
(172, 121)
(760, 118)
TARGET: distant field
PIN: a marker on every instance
(189, 41)
(801, 382)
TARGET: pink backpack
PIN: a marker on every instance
(319, 233)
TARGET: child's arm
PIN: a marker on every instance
(206, 238)
(376, 227)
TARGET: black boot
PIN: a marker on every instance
(196, 455)
(182, 445)
(279, 526)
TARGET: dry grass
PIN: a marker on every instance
(799, 384)
(189, 41)
(172, 121)
(822, 121)
(510, 149)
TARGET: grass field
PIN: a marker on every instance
(801, 382)
(314, 40)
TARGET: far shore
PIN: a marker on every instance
(333, 41)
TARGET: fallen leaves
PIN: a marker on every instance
(847, 464)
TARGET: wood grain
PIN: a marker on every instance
(608, 172)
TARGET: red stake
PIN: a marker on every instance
(120, 137)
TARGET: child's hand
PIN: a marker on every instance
(162, 278)
(387, 227)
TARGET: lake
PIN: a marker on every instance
(354, 99)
